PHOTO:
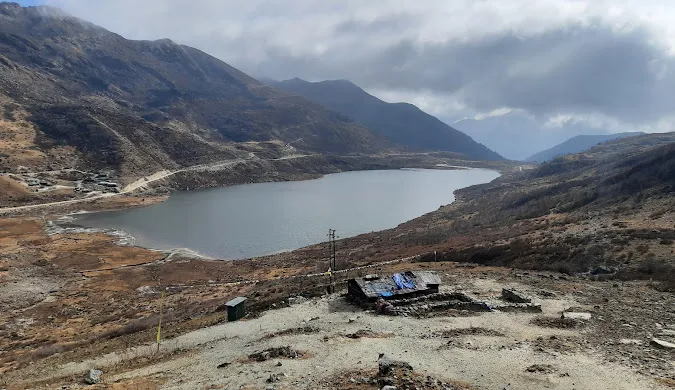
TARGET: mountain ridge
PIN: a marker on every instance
(401, 123)
(577, 144)
(517, 136)
(144, 105)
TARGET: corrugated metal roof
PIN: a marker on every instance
(386, 286)
(235, 301)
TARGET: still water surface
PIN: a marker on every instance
(252, 220)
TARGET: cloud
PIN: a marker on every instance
(550, 58)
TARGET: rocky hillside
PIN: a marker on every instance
(576, 144)
(612, 206)
(401, 123)
(76, 91)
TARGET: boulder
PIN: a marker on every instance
(515, 296)
(274, 378)
(387, 366)
(388, 387)
(663, 344)
(93, 377)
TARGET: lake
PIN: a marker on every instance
(252, 220)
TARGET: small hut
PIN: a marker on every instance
(397, 286)
(236, 309)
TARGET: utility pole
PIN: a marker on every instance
(332, 264)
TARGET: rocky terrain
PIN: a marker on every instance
(90, 120)
(95, 100)
(75, 97)
(591, 233)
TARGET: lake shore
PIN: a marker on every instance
(252, 220)
(74, 284)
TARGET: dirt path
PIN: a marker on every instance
(486, 361)
(140, 183)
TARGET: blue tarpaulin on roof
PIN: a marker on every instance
(402, 281)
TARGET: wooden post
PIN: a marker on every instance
(159, 325)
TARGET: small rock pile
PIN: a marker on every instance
(271, 353)
(399, 375)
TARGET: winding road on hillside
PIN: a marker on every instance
(144, 181)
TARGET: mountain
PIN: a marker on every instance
(75, 94)
(517, 136)
(401, 123)
(577, 144)
(611, 205)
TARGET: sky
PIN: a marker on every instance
(609, 63)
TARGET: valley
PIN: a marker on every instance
(557, 275)
(608, 254)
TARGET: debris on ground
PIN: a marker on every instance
(541, 369)
(557, 322)
(387, 365)
(580, 316)
(471, 331)
(93, 377)
(384, 307)
(278, 352)
(274, 378)
(514, 296)
(363, 333)
(292, 331)
(518, 307)
(399, 377)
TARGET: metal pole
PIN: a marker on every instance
(332, 263)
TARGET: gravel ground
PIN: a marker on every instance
(485, 361)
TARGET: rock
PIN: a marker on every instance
(630, 341)
(662, 344)
(274, 378)
(388, 387)
(384, 307)
(603, 270)
(385, 381)
(667, 332)
(93, 377)
(221, 365)
(386, 365)
(515, 296)
(540, 369)
(576, 315)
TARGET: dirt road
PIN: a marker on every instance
(142, 182)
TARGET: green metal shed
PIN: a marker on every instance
(236, 309)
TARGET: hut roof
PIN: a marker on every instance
(397, 284)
